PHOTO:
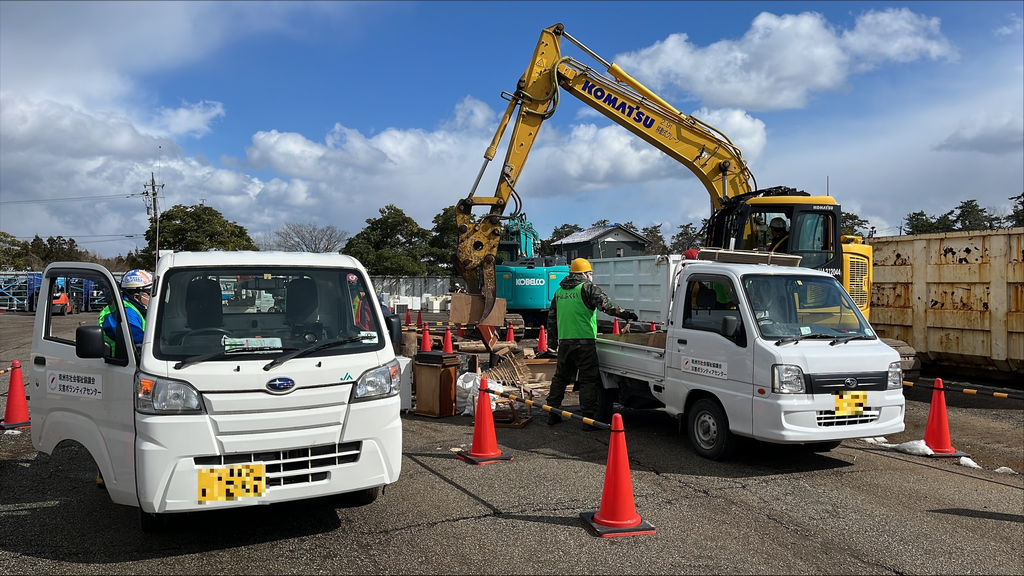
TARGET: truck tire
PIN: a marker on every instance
(708, 429)
(152, 523)
(358, 498)
(909, 361)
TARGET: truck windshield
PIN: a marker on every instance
(796, 307)
(262, 313)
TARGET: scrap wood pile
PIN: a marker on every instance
(512, 371)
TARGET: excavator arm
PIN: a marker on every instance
(708, 153)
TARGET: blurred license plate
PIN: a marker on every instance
(232, 482)
(851, 403)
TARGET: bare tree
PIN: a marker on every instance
(264, 241)
(309, 237)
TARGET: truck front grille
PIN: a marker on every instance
(828, 418)
(298, 466)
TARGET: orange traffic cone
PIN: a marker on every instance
(510, 336)
(615, 327)
(936, 434)
(16, 414)
(617, 516)
(447, 349)
(485, 444)
(419, 317)
(461, 333)
(425, 341)
(542, 342)
(653, 327)
(408, 317)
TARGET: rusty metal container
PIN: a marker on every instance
(956, 297)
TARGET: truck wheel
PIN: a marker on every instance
(822, 446)
(709, 430)
(358, 498)
(152, 523)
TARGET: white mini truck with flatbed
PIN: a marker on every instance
(227, 402)
(776, 353)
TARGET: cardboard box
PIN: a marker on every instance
(468, 309)
(434, 376)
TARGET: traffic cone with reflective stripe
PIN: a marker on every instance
(615, 327)
(447, 349)
(408, 317)
(425, 341)
(510, 336)
(542, 342)
(617, 515)
(419, 317)
(936, 434)
(16, 414)
(485, 444)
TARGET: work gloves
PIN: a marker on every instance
(631, 316)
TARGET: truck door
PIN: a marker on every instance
(88, 400)
(701, 356)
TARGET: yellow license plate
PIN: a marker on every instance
(232, 482)
(851, 403)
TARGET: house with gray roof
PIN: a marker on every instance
(613, 241)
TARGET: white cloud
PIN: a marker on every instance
(745, 131)
(471, 114)
(189, 120)
(1001, 133)
(1014, 26)
(782, 60)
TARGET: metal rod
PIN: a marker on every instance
(479, 176)
(585, 49)
(552, 409)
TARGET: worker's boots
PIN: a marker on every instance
(553, 419)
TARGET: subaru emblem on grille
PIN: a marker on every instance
(280, 385)
(850, 382)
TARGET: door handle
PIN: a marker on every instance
(39, 361)
(681, 341)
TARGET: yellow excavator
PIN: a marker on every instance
(741, 215)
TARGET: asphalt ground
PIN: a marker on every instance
(769, 510)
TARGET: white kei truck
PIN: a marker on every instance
(776, 353)
(226, 403)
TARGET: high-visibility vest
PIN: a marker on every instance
(575, 320)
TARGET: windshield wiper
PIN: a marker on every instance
(845, 339)
(310, 349)
(225, 353)
(788, 339)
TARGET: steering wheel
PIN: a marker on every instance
(204, 331)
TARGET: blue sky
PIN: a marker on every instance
(292, 112)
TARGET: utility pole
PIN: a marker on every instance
(150, 194)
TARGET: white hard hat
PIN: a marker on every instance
(137, 280)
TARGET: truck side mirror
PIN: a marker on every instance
(394, 325)
(89, 342)
(730, 326)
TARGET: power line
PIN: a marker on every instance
(74, 199)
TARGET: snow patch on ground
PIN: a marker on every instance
(915, 447)
(1006, 470)
(12, 432)
(965, 461)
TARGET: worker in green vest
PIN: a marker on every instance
(572, 328)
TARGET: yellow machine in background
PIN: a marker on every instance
(740, 213)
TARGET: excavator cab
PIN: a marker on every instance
(812, 226)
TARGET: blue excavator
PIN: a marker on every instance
(526, 280)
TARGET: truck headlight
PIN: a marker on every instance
(787, 379)
(379, 382)
(895, 376)
(164, 396)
